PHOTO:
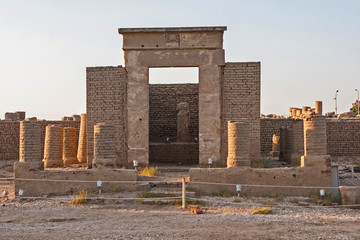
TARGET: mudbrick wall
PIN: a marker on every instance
(105, 102)
(241, 101)
(162, 111)
(9, 136)
(342, 135)
(269, 127)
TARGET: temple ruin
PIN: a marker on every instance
(216, 122)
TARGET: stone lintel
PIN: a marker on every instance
(173, 29)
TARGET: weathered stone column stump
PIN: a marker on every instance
(238, 144)
(69, 146)
(30, 143)
(53, 146)
(82, 146)
(104, 146)
(315, 140)
(318, 108)
(275, 146)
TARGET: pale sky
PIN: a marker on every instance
(308, 49)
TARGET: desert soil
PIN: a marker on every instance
(223, 218)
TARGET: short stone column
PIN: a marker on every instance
(290, 112)
(318, 108)
(30, 142)
(10, 116)
(238, 144)
(76, 117)
(82, 146)
(53, 146)
(20, 115)
(298, 113)
(305, 109)
(275, 146)
(293, 112)
(104, 146)
(69, 146)
(315, 141)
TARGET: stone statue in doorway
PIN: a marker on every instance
(183, 122)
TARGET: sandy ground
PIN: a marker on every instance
(223, 218)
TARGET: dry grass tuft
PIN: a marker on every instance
(80, 197)
(149, 172)
(263, 210)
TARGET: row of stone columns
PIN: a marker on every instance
(298, 112)
(60, 145)
(315, 141)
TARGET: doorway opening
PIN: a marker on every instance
(174, 116)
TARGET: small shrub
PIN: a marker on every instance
(224, 193)
(294, 200)
(117, 189)
(263, 210)
(262, 164)
(326, 200)
(80, 197)
(280, 198)
(149, 172)
(236, 200)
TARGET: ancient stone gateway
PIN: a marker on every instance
(226, 91)
(174, 47)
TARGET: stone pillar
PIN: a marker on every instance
(318, 108)
(291, 112)
(30, 142)
(298, 112)
(53, 146)
(20, 115)
(10, 116)
(305, 109)
(69, 146)
(282, 144)
(82, 147)
(315, 141)
(209, 115)
(275, 146)
(238, 144)
(288, 144)
(104, 146)
(76, 118)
